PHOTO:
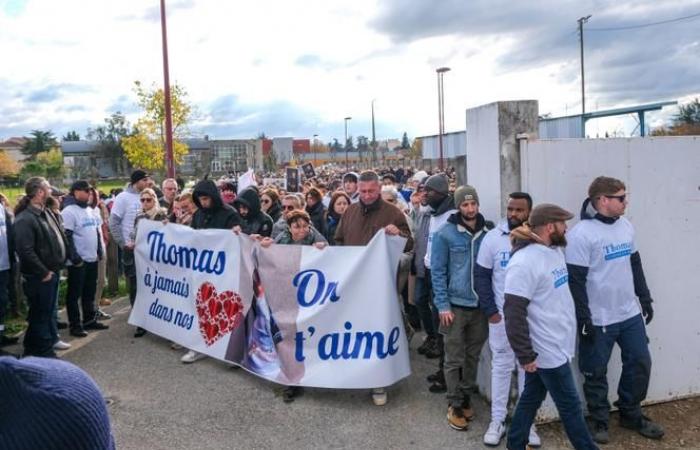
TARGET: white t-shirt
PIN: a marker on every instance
(436, 222)
(85, 224)
(494, 254)
(4, 245)
(605, 249)
(539, 274)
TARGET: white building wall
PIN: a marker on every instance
(663, 181)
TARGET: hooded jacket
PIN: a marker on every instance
(256, 221)
(219, 216)
(437, 219)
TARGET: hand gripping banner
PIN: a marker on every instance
(291, 314)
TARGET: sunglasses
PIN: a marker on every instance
(146, 200)
(265, 201)
(620, 198)
(288, 208)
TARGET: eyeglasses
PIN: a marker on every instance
(288, 208)
(265, 201)
(621, 198)
(146, 200)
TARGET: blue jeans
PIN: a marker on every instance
(559, 382)
(422, 300)
(41, 330)
(631, 336)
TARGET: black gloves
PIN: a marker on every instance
(647, 310)
(586, 330)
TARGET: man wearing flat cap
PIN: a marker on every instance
(541, 325)
(612, 302)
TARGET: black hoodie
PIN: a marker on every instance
(219, 216)
(256, 221)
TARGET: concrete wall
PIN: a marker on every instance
(663, 181)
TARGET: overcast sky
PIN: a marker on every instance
(297, 68)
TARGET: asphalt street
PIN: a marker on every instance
(157, 402)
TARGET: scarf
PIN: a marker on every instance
(523, 236)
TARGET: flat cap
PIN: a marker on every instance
(545, 213)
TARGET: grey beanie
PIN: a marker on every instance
(464, 193)
(438, 183)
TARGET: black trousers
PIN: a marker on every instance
(82, 283)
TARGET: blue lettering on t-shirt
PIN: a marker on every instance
(505, 257)
(561, 277)
(614, 251)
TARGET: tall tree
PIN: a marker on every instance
(688, 113)
(38, 142)
(145, 148)
(47, 164)
(8, 166)
(349, 146)
(109, 140)
(71, 136)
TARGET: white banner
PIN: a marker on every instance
(291, 314)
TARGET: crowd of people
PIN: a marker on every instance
(463, 280)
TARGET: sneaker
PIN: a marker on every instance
(105, 302)
(95, 325)
(494, 433)
(644, 426)
(175, 346)
(101, 315)
(456, 419)
(437, 376)
(78, 332)
(192, 356)
(599, 433)
(533, 439)
(438, 387)
(379, 396)
(60, 345)
(140, 332)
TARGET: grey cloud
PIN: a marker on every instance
(52, 92)
(124, 104)
(636, 65)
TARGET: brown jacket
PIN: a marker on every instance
(360, 223)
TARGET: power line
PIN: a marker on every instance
(644, 25)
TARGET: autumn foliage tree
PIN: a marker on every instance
(686, 122)
(145, 147)
(8, 166)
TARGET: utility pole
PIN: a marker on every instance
(169, 161)
(441, 110)
(346, 142)
(581, 21)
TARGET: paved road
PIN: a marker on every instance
(160, 403)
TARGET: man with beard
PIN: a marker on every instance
(541, 325)
(254, 219)
(606, 280)
(462, 324)
(211, 213)
(360, 223)
(489, 279)
(442, 204)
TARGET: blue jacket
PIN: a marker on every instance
(452, 262)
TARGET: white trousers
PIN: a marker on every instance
(503, 362)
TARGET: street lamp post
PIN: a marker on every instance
(346, 142)
(314, 145)
(441, 110)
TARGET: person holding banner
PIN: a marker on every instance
(361, 222)
(255, 221)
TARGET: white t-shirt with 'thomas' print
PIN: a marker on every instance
(539, 274)
(605, 249)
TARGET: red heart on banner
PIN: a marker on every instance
(218, 314)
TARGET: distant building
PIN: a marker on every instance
(13, 147)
